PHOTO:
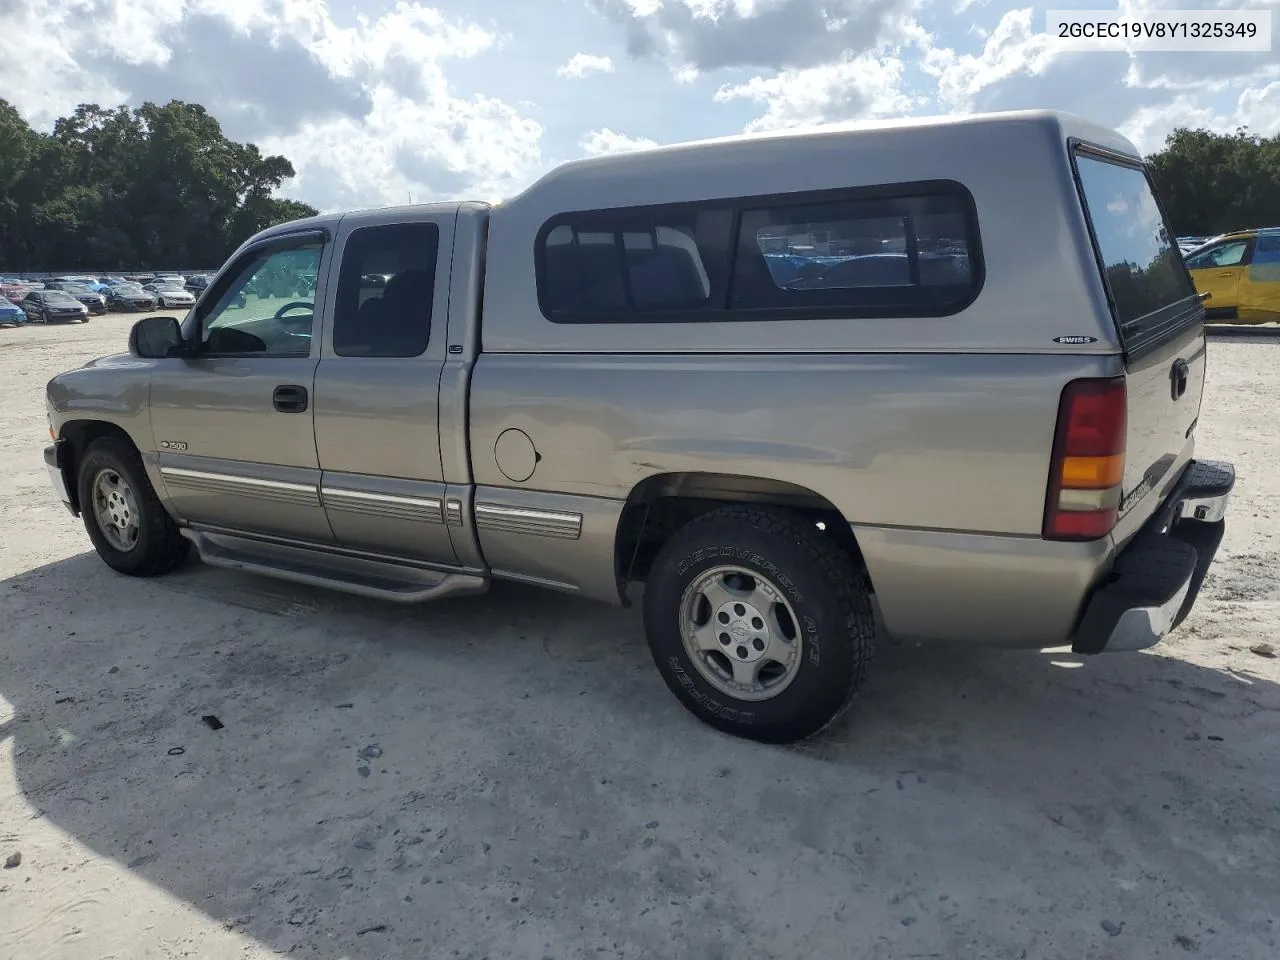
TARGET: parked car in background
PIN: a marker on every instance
(169, 295)
(11, 315)
(1241, 273)
(14, 292)
(54, 306)
(94, 301)
(130, 297)
(196, 285)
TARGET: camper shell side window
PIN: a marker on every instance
(899, 250)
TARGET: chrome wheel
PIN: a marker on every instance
(740, 632)
(116, 510)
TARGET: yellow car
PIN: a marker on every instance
(1241, 273)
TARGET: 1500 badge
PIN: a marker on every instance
(173, 445)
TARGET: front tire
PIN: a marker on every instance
(761, 625)
(124, 518)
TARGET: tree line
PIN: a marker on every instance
(1212, 183)
(161, 186)
(155, 187)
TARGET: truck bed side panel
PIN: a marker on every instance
(914, 442)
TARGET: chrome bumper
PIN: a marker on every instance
(1156, 578)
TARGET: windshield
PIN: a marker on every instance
(1143, 268)
(58, 296)
(76, 288)
(128, 288)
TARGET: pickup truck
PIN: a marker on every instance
(805, 392)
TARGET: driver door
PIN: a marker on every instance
(233, 422)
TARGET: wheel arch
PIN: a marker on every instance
(78, 434)
(661, 504)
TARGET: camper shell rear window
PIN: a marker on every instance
(1151, 293)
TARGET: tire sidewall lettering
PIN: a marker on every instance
(707, 703)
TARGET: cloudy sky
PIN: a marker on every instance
(379, 101)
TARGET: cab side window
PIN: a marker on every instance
(385, 291)
(268, 306)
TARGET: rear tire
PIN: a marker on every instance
(124, 518)
(761, 625)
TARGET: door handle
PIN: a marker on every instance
(1226, 273)
(290, 398)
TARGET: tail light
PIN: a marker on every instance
(1088, 461)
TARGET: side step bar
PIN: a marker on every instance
(379, 579)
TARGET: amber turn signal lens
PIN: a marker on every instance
(1090, 473)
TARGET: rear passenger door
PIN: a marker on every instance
(377, 386)
(1217, 271)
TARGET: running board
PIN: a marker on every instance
(378, 579)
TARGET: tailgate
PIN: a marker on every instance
(1160, 321)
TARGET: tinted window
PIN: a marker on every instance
(864, 252)
(900, 254)
(385, 290)
(623, 264)
(1143, 270)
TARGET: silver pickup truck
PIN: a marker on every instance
(923, 381)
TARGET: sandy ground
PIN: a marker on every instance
(505, 776)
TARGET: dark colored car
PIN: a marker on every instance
(130, 296)
(195, 285)
(94, 301)
(53, 306)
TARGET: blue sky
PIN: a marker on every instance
(381, 102)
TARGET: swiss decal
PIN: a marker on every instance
(1077, 338)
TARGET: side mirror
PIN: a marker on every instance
(155, 338)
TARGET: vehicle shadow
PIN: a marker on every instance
(505, 775)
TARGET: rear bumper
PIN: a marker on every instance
(1156, 578)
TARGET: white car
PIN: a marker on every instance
(167, 296)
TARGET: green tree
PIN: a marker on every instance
(1211, 183)
(118, 188)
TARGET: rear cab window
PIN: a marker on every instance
(386, 287)
(1151, 293)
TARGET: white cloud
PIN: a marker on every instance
(600, 142)
(581, 64)
(364, 112)
(861, 87)
(772, 34)
(1255, 108)
(1014, 47)
(372, 107)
